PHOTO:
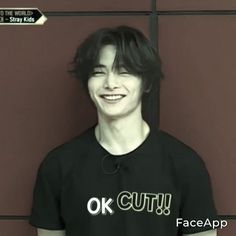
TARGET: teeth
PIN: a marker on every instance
(112, 97)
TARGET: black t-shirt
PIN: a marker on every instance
(85, 190)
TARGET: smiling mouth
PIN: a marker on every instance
(113, 97)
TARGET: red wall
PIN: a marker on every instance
(42, 107)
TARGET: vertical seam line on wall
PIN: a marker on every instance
(153, 24)
(154, 103)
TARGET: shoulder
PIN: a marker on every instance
(185, 163)
(67, 152)
(184, 158)
(78, 143)
(174, 147)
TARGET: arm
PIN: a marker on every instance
(206, 233)
(44, 232)
(45, 214)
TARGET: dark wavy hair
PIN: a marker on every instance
(133, 50)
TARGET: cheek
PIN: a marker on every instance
(89, 83)
(90, 91)
(138, 88)
(91, 86)
(94, 84)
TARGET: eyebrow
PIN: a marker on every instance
(103, 66)
(99, 66)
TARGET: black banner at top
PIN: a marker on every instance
(21, 16)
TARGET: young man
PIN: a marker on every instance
(123, 176)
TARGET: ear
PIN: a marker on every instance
(147, 90)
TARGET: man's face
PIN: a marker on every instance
(116, 94)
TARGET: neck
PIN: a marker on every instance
(120, 136)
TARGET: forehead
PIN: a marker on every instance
(107, 55)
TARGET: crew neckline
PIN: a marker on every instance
(118, 156)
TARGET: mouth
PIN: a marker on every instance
(112, 97)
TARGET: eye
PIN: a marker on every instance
(123, 71)
(97, 73)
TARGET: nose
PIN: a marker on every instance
(111, 81)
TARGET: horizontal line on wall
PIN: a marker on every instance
(16, 217)
(141, 13)
(96, 13)
(228, 217)
(13, 217)
(197, 12)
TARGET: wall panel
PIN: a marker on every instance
(16, 228)
(229, 230)
(164, 5)
(198, 94)
(41, 106)
(81, 5)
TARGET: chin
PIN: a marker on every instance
(118, 113)
(112, 116)
(115, 115)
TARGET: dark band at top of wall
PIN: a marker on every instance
(140, 13)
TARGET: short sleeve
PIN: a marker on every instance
(197, 198)
(46, 197)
